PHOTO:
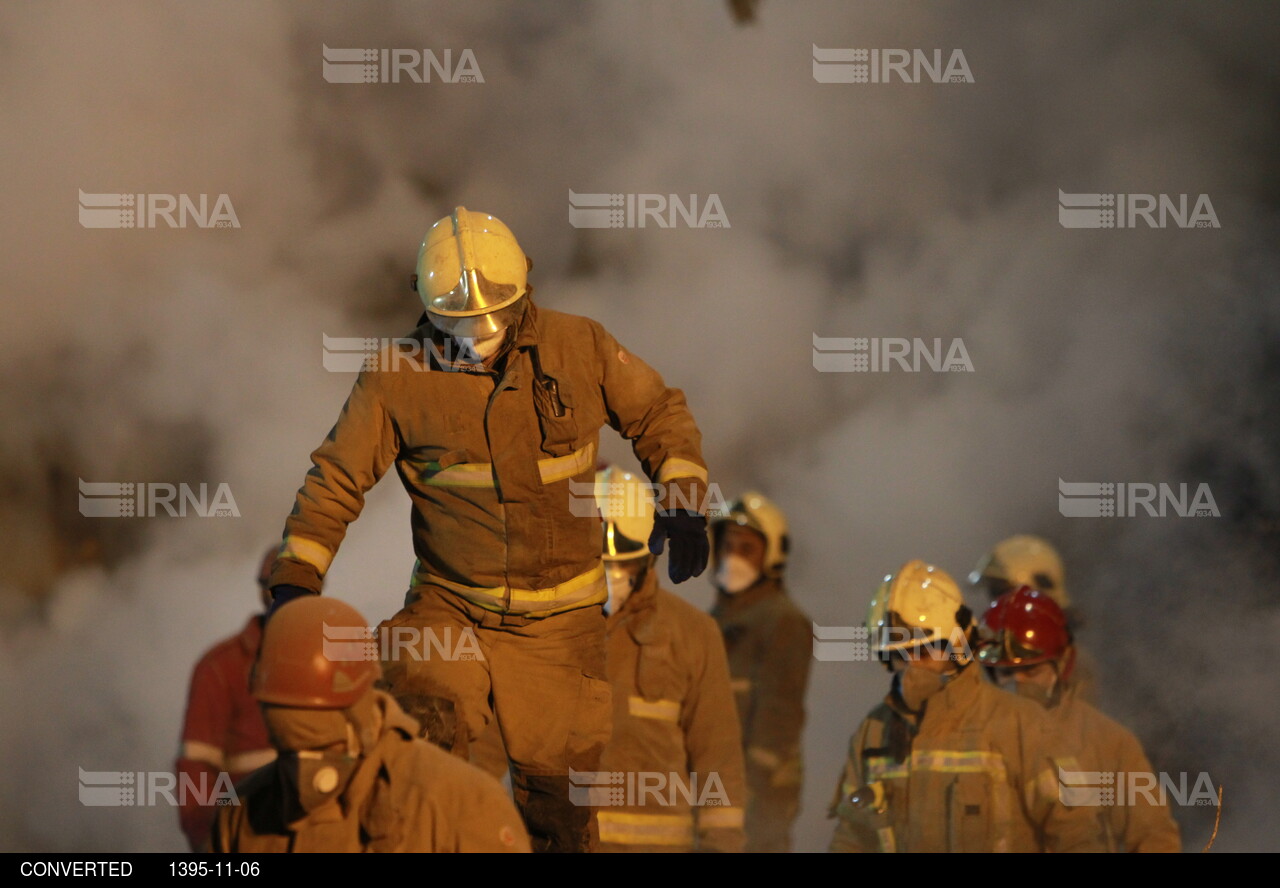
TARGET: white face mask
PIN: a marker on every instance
(621, 582)
(474, 351)
(735, 574)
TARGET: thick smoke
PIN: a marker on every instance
(912, 210)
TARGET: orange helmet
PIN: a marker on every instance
(1025, 627)
(317, 653)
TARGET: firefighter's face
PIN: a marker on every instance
(927, 657)
(744, 543)
(622, 578)
(1043, 675)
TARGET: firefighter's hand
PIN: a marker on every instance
(282, 595)
(690, 547)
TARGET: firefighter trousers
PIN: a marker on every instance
(456, 667)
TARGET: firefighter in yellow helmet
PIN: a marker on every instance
(1028, 645)
(352, 774)
(1026, 560)
(489, 411)
(676, 740)
(769, 641)
(948, 762)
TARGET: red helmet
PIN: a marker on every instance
(1025, 627)
(317, 653)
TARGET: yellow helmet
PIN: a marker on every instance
(919, 605)
(755, 511)
(1023, 561)
(471, 275)
(625, 502)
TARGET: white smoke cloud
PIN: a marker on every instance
(856, 210)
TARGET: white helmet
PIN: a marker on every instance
(471, 275)
(1023, 561)
(919, 606)
(758, 513)
(626, 507)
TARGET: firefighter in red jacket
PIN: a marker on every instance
(223, 731)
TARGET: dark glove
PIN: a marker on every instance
(690, 547)
(282, 595)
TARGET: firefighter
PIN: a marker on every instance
(948, 762)
(352, 774)
(223, 732)
(769, 642)
(1026, 560)
(1029, 642)
(489, 414)
(673, 711)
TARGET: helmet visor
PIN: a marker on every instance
(477, 325)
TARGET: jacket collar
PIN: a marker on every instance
(638, 613)
(727, 605)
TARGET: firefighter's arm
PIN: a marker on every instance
(1148, 825)
(355, 454)
(657, 422)
(203, 753)
(1063, 827)
(854, 832)
(772, 736)
(713, 739)
(490, 823)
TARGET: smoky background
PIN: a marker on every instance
(908, 210)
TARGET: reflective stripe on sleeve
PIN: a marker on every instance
(663, 710)
(308, 552)
(675, 467)
(205, 753)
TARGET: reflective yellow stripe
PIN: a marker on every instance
(721, 818)
(674, 467)
(943, 760)
(205, 753)
(959, 761)
(307, 551)
(740, 685)
(884, 768)
(478, 474)
(458, 475)
(558, 468)
(243, 762)
(584, 589)
(645, 829)
(665, 710)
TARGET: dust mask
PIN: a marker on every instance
(622, 583)
(474, 351)
(735, 574)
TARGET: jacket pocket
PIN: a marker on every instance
(656, 675)
(557, 420)
(970, 809)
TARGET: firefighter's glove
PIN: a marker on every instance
(690, 547)
(282, 595)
